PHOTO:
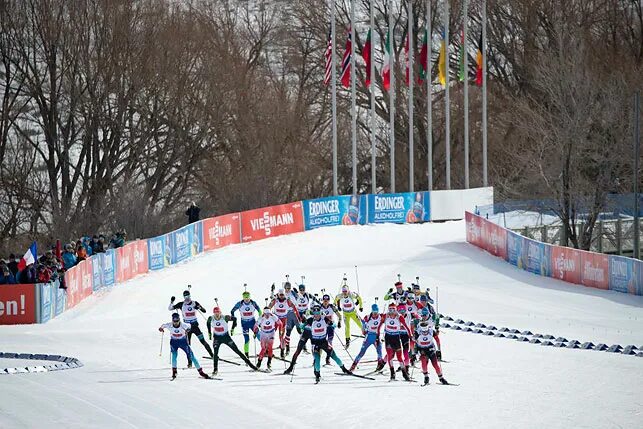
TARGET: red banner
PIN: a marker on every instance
(139, 257)
(17, 304)
(594, 270)
(79, 282)
(221, 231)
(272, 221)
(474, 233)
(565, 264)
(494, 238)
(124, 262)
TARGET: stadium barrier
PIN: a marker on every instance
(40, 303)
(596, 270)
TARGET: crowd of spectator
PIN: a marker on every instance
(53, 263)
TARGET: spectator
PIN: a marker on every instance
(193, 213)
(6, 276)
(28, 275)
(96, 245)
(13, 264)
(118, 240)
(81, 252)
(69, 258)
(88, 246)
(44, 274)
(103, 245)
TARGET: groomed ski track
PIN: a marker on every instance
(503, 383)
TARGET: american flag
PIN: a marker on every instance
(329, 58)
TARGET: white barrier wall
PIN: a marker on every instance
(451, 205)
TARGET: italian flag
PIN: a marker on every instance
(386, 69)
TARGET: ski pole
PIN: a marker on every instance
(342, 343)
(357, 280)
(162, 336)
(437, 303)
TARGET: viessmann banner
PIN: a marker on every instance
(333, 211)
(409, 207)
(272, 222)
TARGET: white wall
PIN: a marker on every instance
(450, 205)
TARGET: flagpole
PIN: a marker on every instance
(392, 93)
(411, 132)
(334, 94)
(429, 102)
(465, 24)
(372, 89)
(447, 113)
(353, 95)
(484, 94)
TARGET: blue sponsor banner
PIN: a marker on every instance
(186, 242)
(97, 271)
(622, 277)
(546, 261)
(333, 211)
(532, 256)
(409, 207)
(46, 302)
(60, 297)
(514, 249)
(108, 263)
(156, 249)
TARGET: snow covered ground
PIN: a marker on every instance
(503, 383)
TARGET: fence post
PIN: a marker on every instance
(619, 249)
(543, 234)
(600, 236)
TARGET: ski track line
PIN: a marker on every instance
(60, 391)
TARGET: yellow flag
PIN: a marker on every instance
(442, 62)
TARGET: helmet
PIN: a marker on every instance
(424, 311)
(410, 297)
(392, 307)
(399, 284)
(280, 291)
(326, 297)
(415, 286)
(266, 310)
(287, 285)
(401, 308)
(302, 287)
(344, 289)
(246, 295)
(423, 298)
(423, 327)
(176, 317)
(316, 310)
(375, 308)
(216, 310)
(186, 293)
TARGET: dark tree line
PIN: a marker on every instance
(118, 113)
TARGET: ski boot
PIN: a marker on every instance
(258, 363)
(215, 371)
(380, 365)
(348, 342)
(443, 380)
(269, 362)
(317, 376)
(426, 379)
(173, 373)
(353, 367)
(405, 374)
(344, 370)
(392, 373)
(203, 374)
(289, 370)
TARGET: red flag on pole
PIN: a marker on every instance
(366, 54)
(346, 63)
(329, 58)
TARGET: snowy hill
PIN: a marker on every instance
(503, 383)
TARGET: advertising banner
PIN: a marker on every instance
(622, 276)
(546, 261)
(637, 287)
(474, 233)
(221, 231)
(333, 211)
(532, 256)
(494, 238)
(272, 222)
(594, 270)
(60, 296)
(159, 252)
(123, 264)
(409, 207)
(17, 304)
(97, 270)
(139, 257)
(47, 301)
(109, 267)
(565, 264)
(186, 242)
(514, 249)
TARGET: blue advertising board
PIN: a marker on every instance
(409, 207)
(621, 273)
(514, 249)
(60, 299)
(187, 242)
(108, 263)
(97, 270)
(532, 256)
(46, 302)
(546, 261)
(156, 252)
(332, 211)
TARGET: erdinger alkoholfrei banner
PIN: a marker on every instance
(409, 207)
(333, 211)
